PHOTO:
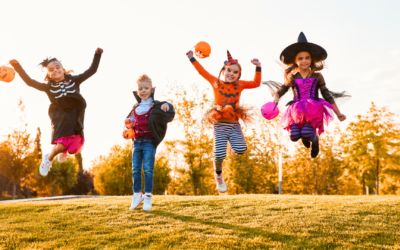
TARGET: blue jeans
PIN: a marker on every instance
(144, 153)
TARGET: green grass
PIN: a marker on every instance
(211, 222)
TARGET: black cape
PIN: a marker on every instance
(158, 118)
(67, 105)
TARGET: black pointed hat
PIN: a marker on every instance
(317, 53)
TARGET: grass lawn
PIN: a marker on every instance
(210, 222)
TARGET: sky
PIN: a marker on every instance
(362, 39)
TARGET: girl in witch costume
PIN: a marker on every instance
(226, 112)
(307, 113)
(67, 106)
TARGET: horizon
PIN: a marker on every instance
(361, 38)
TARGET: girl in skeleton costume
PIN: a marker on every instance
(226, 112)
(307, 113)
(67, 106)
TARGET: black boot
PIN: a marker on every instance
(315, 146)
(306, 142)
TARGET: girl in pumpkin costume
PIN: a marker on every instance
(226, 112)
(306, 114)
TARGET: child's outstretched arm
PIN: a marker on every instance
(210, 78)
(257, 77)
(93, 68)
(30, 82)
(328, 97)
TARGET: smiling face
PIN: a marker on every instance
(303, 60)
(55, 71)
(231, 73)
(145, 90)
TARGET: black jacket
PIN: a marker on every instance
(158, 118)
(67, 105)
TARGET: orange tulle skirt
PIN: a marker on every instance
(228, 112)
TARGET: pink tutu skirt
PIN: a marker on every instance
(315, 112)
(73, 143)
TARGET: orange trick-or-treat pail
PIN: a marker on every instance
(129, 133)
(202, 50)
(7, 74)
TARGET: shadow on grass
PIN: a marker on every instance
(297, 241)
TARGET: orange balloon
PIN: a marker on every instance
(202, 50)
(7, 74)
(128, 133)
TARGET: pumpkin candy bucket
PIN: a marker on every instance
(202, 50)
(129, 131)
(7, 74)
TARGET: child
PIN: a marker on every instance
(150, 125)
(226, 112)
(307, 113)
(67, 106)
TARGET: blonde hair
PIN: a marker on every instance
(144, 78)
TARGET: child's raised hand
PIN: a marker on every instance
(99, 51)
(14, 62)
(190, 54)
(341, 117)
(165, 107)
(256, 62)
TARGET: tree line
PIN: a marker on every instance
(366, 156)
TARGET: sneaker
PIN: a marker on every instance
(147, 202)
(221, 185)
(136, 200)
(62, 157)
(45, 166)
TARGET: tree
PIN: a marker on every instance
(193, 160)
(161, 175)
(17, 157)
(305, 175)
(372, 146)
(113, 173)
(256, 171)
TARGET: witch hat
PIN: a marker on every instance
(230, 60)
(317, 53)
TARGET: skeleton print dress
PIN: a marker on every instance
(67, 108)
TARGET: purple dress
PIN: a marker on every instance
(306, 106)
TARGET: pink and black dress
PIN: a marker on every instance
(67, 106)
(306, 106)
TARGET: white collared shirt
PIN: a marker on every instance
(144, 106)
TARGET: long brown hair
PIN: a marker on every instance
(216, 84)
(290, 70)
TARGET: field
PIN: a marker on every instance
(211, 222)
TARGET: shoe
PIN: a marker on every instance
(315, 147)
(136, 200)
(147, 202)
(221, 185)
(306, 142)
(45, 166)
(62, 157)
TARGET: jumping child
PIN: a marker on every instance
(67, 106)
(226, 112)
(307, 113)
(149, 119)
